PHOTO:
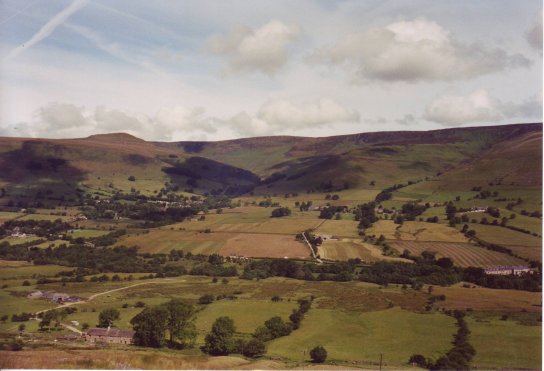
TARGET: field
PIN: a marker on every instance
(340, 228)
(355, 321)
(246, 321)
(395, 333)
(346, 248)
(462, 254)
(505, 344)
(416, 231)
(265, 245)
(482, 299)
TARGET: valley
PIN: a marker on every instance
(415, 235)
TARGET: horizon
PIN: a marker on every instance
(277, 136)
(209, 71)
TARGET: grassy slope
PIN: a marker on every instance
(395, 333)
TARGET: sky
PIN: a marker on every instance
(223, 69)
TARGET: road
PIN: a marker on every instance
(102, 293)
(311, 249)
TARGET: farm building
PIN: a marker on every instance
(109, 335)
(55, 297)
(506, 271)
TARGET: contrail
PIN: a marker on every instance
(18, 11)
(48, 28)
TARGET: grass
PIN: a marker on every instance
(505, 236)
(247, 314)
(462, 254)
(484, 299)
(30, 271)
(86, 233)
(395, 333)
(416, 231)
(341, 228)
(19, 240)
(505, 344)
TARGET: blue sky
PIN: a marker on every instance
(211, 70)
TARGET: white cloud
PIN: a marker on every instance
(263, 49)
(479, 107)
(48, 28)
(283, 115)
(534, 34)
(64, 120)
(418, 50)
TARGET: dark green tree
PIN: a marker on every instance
(219, 340)
(318, 354)
(254, 348)
(150, 327)
(180, 322)
(107, 317)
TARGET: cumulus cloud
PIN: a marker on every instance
(64, 120)
(263, 49)
(280, 114)
(534, 34)
(418, 50)
(478, 106)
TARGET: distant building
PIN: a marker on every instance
(109, 335)
(478, 209)
(506, 271)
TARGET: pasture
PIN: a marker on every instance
(416, 231)
(484, 299)
(265, 245)
(505, 344)
(340, 228)
(345, 249)
(462, 254)
(362, 337)
(355, 321)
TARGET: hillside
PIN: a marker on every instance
(69, 168)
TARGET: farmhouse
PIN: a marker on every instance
(506, 271)
(109, 335)
(478, 209)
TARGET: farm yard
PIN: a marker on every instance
(462, 254)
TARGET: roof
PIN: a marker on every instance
(111, 332)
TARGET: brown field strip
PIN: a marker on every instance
(265, 245)
(462, 254)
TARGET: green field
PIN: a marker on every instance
(395, 333)
(505, 344)
(247, 314)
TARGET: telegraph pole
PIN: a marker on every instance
(381, 359)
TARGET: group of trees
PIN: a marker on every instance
(280, 212)
(365, 214)
(175, 316)
(41, 228)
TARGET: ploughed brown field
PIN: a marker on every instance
(462, 254)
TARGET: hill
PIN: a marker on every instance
(440, 159)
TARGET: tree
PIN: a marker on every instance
(150, 327)
(22, 327)
(206, 299)
(85, 326)
(180, 321)
(254, 348)
(219, 341)
(278, 327)
(279, 212)
(418, 359)
(132, 178)
(318, 354)
(107, 317)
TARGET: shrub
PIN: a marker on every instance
(318, 354)
(206, 299)
(254, 348)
